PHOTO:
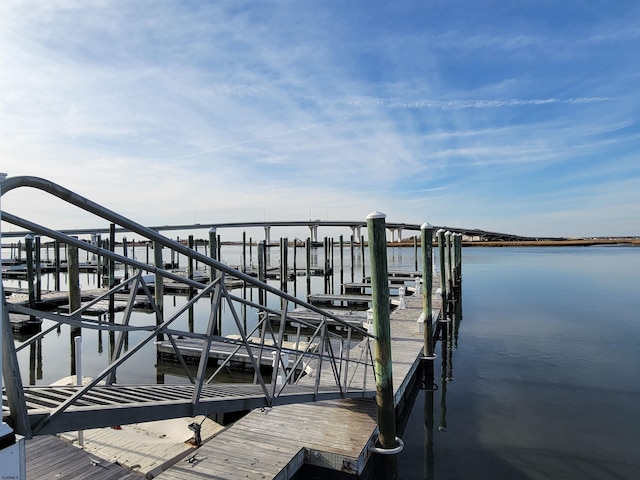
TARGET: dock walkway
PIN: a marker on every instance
(336, 434)
(50, 457)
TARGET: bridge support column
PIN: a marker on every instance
(356, 232)
(313, 232)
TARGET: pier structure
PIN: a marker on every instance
(339, 435)
(39, 410)
(337, 382)
(396, 230)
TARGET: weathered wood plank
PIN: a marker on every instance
(335, 434)
(50, 457)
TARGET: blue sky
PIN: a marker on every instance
(513, 116)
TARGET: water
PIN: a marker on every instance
(546, 373)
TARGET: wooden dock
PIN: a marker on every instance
(191, 348)
(336, 434)
(48, 457)
(145, 448)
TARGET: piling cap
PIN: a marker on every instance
(212, 229)
(425, 226)
(376, 214)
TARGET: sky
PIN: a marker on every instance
(512, 116)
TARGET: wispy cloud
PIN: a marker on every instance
(280, 107)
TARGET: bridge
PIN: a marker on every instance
(326, 367)
(356, 227)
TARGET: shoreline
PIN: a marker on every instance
(569, 242)
(577, 242)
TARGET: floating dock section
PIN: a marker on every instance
(337, 434)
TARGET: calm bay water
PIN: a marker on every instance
(546, 373)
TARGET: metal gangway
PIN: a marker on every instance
(326, 368)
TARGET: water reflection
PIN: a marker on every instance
(447, 334)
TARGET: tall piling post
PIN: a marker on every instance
(213, 251)
(447, 262)
(426, 241)
(28, 246)
(56, 260)
(443, 270)
(190, 269)
(158, 279)
(125, 253)
(38, 266)
(307, 245)
(262, 268)
(458, 245)
(352, 252)
(364, 274)
(112, 272)
(382, 329)
(243, 267)
(341, 240)
(75, 297)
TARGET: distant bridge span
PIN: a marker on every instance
(356, 227)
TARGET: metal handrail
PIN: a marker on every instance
(324, 353)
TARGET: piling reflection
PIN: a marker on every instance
(35, 362)
(448, 335)
(429, 387)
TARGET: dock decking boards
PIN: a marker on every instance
(274, 443)
(48, 457)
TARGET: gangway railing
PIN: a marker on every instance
(325, 367)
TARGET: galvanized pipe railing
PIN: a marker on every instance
(163, 327)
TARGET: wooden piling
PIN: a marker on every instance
(112, 270)
(38, 268)
(190, 265)
(364, 274)
(73, 276)
(426, 241)
(213, 251)
(158, 281)
(243, 267)
(28, 245)
(283, 263)
(458, 245)
(341, 240)
(125, 254)
(443, 269)
(56, 259)
(382, 330)
(262, 268)
(353, 256)
(99, 261)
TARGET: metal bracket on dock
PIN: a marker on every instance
(388, 451)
